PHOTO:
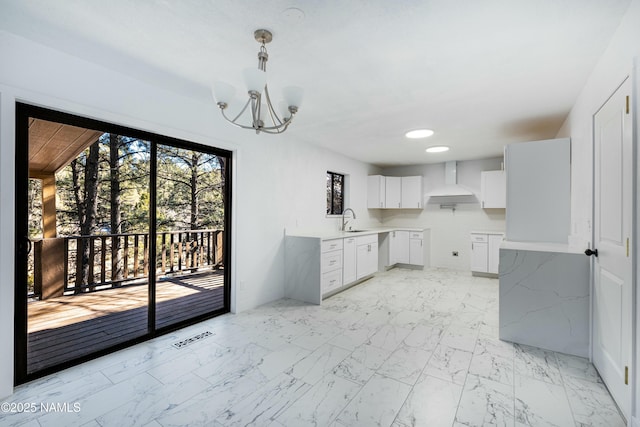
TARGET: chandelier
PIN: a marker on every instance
(263, 114)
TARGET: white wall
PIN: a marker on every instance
(613, 67)
(449, 230)
(279, 181)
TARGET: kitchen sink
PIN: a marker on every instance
(355, 231)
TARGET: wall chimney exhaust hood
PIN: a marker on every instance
(451, 187)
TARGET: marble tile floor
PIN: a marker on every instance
(405, 348)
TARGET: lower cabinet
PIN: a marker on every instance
(366, 255)
(416, 250)
(331, 265)
(485, 252)
(399, 247)
(406, 247)
(349, 260)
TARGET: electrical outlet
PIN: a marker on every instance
(454, 253)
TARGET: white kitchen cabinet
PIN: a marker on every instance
(331, 265)
(376, 190)
(366, 255)
(393, 189)
(393, 192)
(538, 191)
(485, 252)
(493, 186)
(349, 261)
(411, 192)
(399, 247)
(479, 256)
(317, 267)
(416, 249)
(494, 253)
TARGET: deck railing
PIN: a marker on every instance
(77, 264)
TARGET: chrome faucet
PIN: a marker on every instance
(344, 223)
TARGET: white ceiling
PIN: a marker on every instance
(482, 74)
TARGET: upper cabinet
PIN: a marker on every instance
(411, 192)
(393, 189)
(376, 191)
(392, 192)
(493, 186)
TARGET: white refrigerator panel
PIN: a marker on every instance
(538, 191)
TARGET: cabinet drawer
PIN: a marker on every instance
(365, 240)
(331, 280)
(416, 235)
(331, 261)
(331, 245)
(479, 238)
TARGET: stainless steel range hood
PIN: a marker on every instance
(451, 187)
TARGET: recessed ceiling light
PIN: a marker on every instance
(437, 149)
(419, 133)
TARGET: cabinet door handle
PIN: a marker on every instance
(380, 204)
(398, 204)
(471, 245)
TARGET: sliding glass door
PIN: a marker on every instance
(120, 235)
(190, 231)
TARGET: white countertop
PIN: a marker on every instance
(488, 232)
(335, 234)
(541, 247)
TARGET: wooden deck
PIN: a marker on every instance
(68, 327)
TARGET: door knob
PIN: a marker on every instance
(590, 252)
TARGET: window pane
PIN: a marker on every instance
(329, 194)
(335, 186)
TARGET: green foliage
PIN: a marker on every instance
(188, 182)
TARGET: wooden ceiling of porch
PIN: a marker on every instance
(53, 145)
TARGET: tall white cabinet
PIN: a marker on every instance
(538, 191)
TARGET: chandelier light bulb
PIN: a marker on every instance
(293, 95)
(223, 92)
(255, 79)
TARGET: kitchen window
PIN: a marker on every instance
(335, 193)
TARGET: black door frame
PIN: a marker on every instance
(22, 244)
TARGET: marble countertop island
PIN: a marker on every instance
(544, 296)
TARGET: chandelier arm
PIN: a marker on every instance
(255, 112)
(234, 123)
(283, 126)
(272, 113)
(271, 130)
(240, 113)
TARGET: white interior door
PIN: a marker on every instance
(612, 298)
